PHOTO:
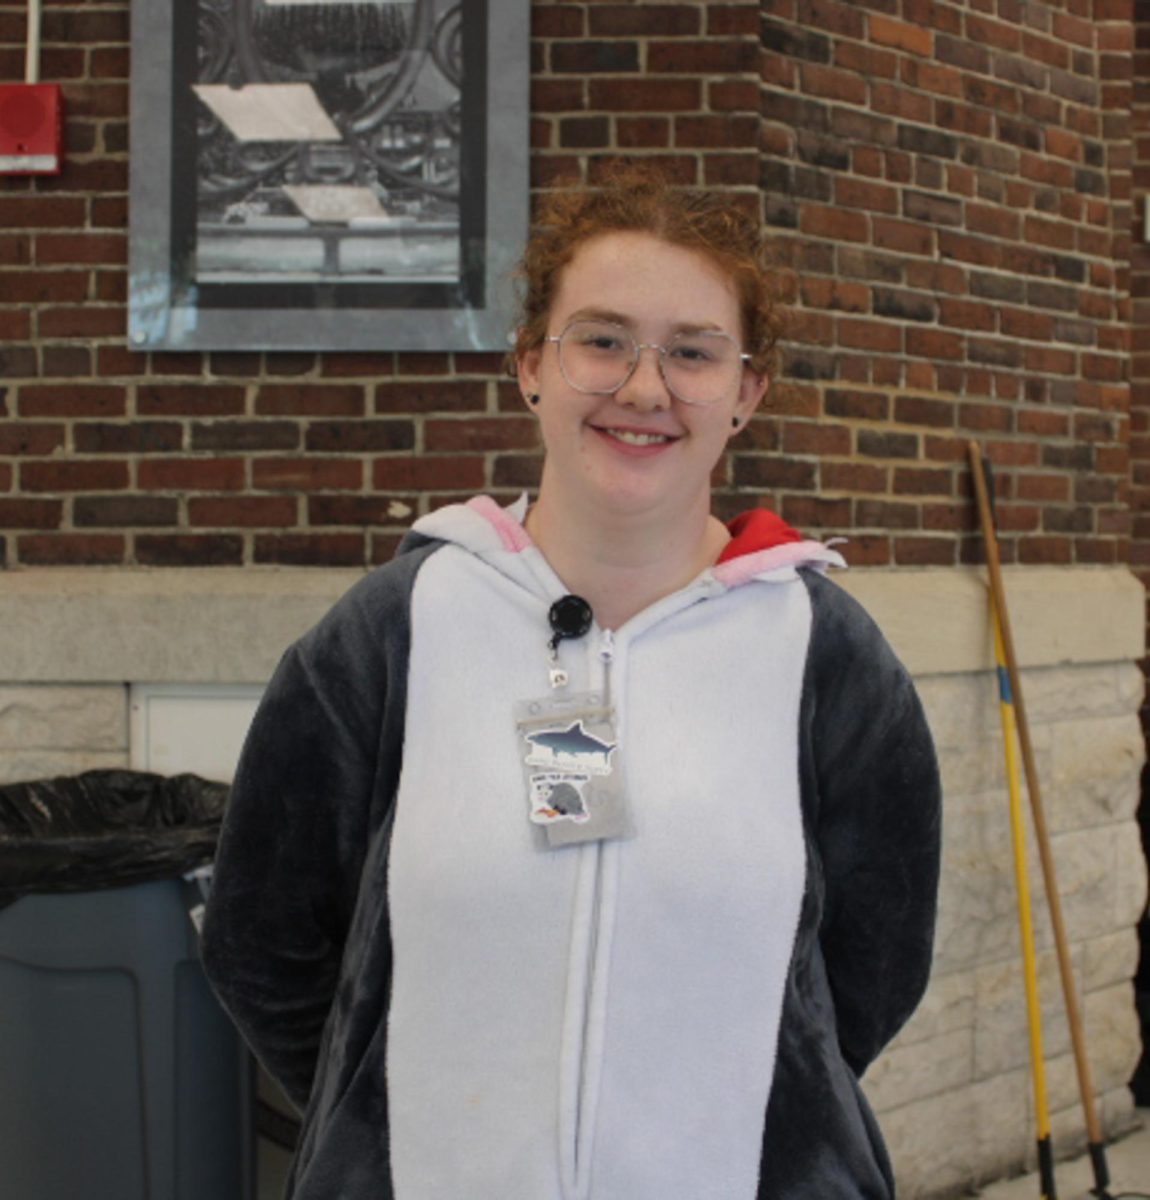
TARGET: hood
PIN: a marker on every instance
(761, 542)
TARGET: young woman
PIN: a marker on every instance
(588, 850)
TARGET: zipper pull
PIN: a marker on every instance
(606, 646)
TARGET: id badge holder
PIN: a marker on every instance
(570, 755)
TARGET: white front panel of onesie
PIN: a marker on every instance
(709, 894)
(480, 912)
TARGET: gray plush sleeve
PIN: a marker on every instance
(315, 781)
(876, 825)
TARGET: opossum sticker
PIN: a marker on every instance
(558, 796)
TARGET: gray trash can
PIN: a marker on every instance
(121, 1078)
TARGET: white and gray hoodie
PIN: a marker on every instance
(463, 1013)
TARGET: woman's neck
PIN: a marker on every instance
(622, 564)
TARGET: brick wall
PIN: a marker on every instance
(1140, 306)
(949, 182)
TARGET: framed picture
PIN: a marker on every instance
(327, 174)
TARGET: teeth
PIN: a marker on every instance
(638, 439)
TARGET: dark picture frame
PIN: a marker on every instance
(327, 174)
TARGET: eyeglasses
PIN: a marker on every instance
(698, 368)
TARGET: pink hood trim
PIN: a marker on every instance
(511, 533)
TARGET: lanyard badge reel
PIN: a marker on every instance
(569, 748)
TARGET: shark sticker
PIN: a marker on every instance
(572, 748)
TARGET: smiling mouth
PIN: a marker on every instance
(631, 438)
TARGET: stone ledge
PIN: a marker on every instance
(215, 625)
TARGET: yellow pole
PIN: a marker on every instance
(1025, 922)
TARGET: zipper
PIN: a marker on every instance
(587, 988)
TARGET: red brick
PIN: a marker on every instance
(43, 287)
(804, 437)
(1025, 323)
(885, 514)
(351, 436)
(73, 475)
(875, 336)
(923, 481)
(635, 132)
(896, 101)
(307, 474)
(20, 513)
(606, 57)
(41, 212)
(312, 399)
(645, 95)
(431, 396)
(188, 550)
(310, 549)
(968, 314)
(426, 472)
(934, 343)
(910, 237)
(220, 512)
(191, 474)
(190, 400)
(731, 19)
(818, 220)
(816, 512)
(24, 438)
(1035, 550)
(930, 77)
(852, 477)
(924, 551)
(898, 34)
(860, 193)
(481, 433)
(732, 95)
(833, 83)
(721, 57)
(868, 406)
(557, 95)
(835, 294)
(63, 362)
(556, 20)
(72, 400)
(91, 321)
(707, 132)
(647, 19)
(866, 60)
(70, 549)
(91, 511)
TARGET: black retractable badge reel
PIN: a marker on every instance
(569, 617)
(569, 749)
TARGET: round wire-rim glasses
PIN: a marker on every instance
(697, 366)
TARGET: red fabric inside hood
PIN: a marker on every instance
(757, 530)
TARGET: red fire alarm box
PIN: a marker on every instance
(31, 129)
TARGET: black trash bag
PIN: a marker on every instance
(79, 833)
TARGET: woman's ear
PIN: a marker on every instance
(752, 389)
(527, 371)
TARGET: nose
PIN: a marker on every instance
(645, 388)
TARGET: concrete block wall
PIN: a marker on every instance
(954, 1092)
(61, 729)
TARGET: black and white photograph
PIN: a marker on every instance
(327, 171)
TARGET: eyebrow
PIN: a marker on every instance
(606, 314)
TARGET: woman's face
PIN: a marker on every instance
(639, 449)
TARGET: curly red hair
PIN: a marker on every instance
(639, 199)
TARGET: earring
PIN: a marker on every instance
(532, 398)
(734, 422)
